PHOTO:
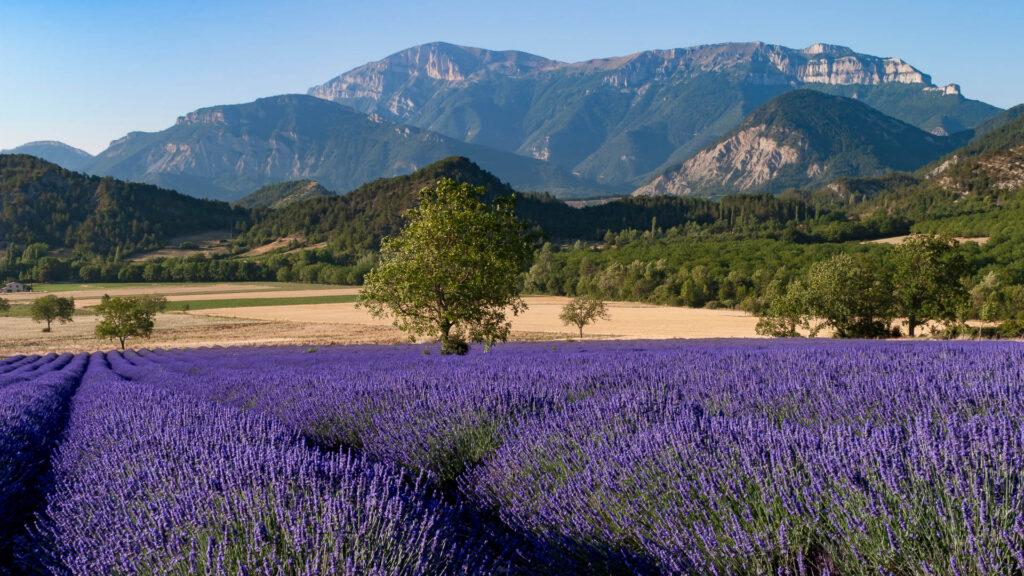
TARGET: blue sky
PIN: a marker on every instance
(88, 72)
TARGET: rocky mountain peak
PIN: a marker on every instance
(202, 116)
(438, 61)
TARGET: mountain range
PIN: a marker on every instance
(622, 119)
(599, 128)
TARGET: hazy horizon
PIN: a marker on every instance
(88, 73)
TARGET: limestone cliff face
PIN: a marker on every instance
(441, 62)
(801, 139)
(743, 161)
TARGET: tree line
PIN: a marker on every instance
(924, 281)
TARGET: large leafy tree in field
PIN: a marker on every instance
(454, 271)
(128, 317)
(926, 279)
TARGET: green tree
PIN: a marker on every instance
(5, 306)
(926, 279)
(50, 308)
(583, 310)
(785, 312)
(849, 296)
(989, 314)
(128, 317)
(454, 271)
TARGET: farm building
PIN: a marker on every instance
(13, 287)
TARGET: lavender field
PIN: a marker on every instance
(732, 457)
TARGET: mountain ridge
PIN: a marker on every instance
(54, 151)
(624, 119)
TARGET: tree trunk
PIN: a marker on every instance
(122, 343)
(581, 331)
(911, 325)
(446, 329)
(48, 324)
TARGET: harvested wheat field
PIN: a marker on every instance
(280, 323)
(177, 330)
(627, 320)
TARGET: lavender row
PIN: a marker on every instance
(12, 361)
(32, 414)
(26, 366)
(151, 480)
(49, 363)
(811, 458)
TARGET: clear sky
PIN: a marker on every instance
(88, 72)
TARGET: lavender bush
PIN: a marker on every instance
(31, 418)
(150, 481)
(734, 457)
(808, 458)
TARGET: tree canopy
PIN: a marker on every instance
(847, 295)
(926, 279)
(454, 271)
(52, 308)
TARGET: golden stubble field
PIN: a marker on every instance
(338, 323)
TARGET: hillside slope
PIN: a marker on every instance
(42, 202)
(225, 152)
(275, 196)
(359, 219)
(800, 139)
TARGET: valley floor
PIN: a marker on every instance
(281, 314)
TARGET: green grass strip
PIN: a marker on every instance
(250, 302)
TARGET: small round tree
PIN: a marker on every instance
(583, 310)
(4, 305)
(454, 271)
(52, 308)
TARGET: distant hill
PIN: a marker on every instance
(52, 151)
(359, 219)
(803, 138)
(225, 152)
(991, 163)
(43, 202)
(275, 196)
(624, 119)
(984, 177)
(998, 121)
